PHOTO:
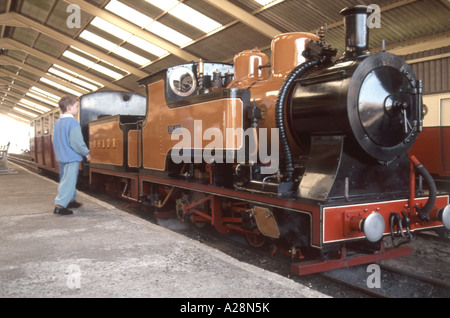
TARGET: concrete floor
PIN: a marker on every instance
(100, 251)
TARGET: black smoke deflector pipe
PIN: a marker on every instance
(424, 212)
(280, 109)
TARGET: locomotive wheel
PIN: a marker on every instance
(255, 240)
(199, 224)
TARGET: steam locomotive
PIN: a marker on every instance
(308, 152)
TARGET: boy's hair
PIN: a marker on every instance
(66, 101)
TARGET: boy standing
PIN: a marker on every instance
(70, 149)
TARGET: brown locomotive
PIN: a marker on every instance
(309, 151)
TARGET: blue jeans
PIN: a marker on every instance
(68, 176)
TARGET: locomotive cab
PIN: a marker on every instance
(189, 106)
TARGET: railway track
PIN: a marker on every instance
(439, 236)
(394, 281)
(23, 161)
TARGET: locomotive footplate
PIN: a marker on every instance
(373, 220)
(320, 265)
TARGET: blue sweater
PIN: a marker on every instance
(68, 142)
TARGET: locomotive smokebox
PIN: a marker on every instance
(372, 99)
(356, 30)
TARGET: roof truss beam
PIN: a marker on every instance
(14, 18)
(12, 105)
(6, 60)
(32, 83)
(7, 110)
(130, 27)
(245, 17)
(23, 90)
(11, 44)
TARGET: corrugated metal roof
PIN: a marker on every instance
(224, 45)
(34, 35)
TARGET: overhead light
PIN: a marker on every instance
(128, 13)
(131, 56)
(164, 5)
(168, 33)
(98, 59)
(24, 112)
(147, 46)
(90, 64)
(18, 117)
(78, 75)
(71, 79)
(112, 47)
(128, 37)
(268, 2)
(148, 23)
(27, 103)
(111, 28)
(39, 98)
(59, 86)
(187, 14)
(31, 108)
(74, 77)
(44, 93)
(194, 18)
(98, 40)
(78, 58)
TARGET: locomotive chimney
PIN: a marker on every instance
(356, 30)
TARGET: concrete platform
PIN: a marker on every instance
(100, 251)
